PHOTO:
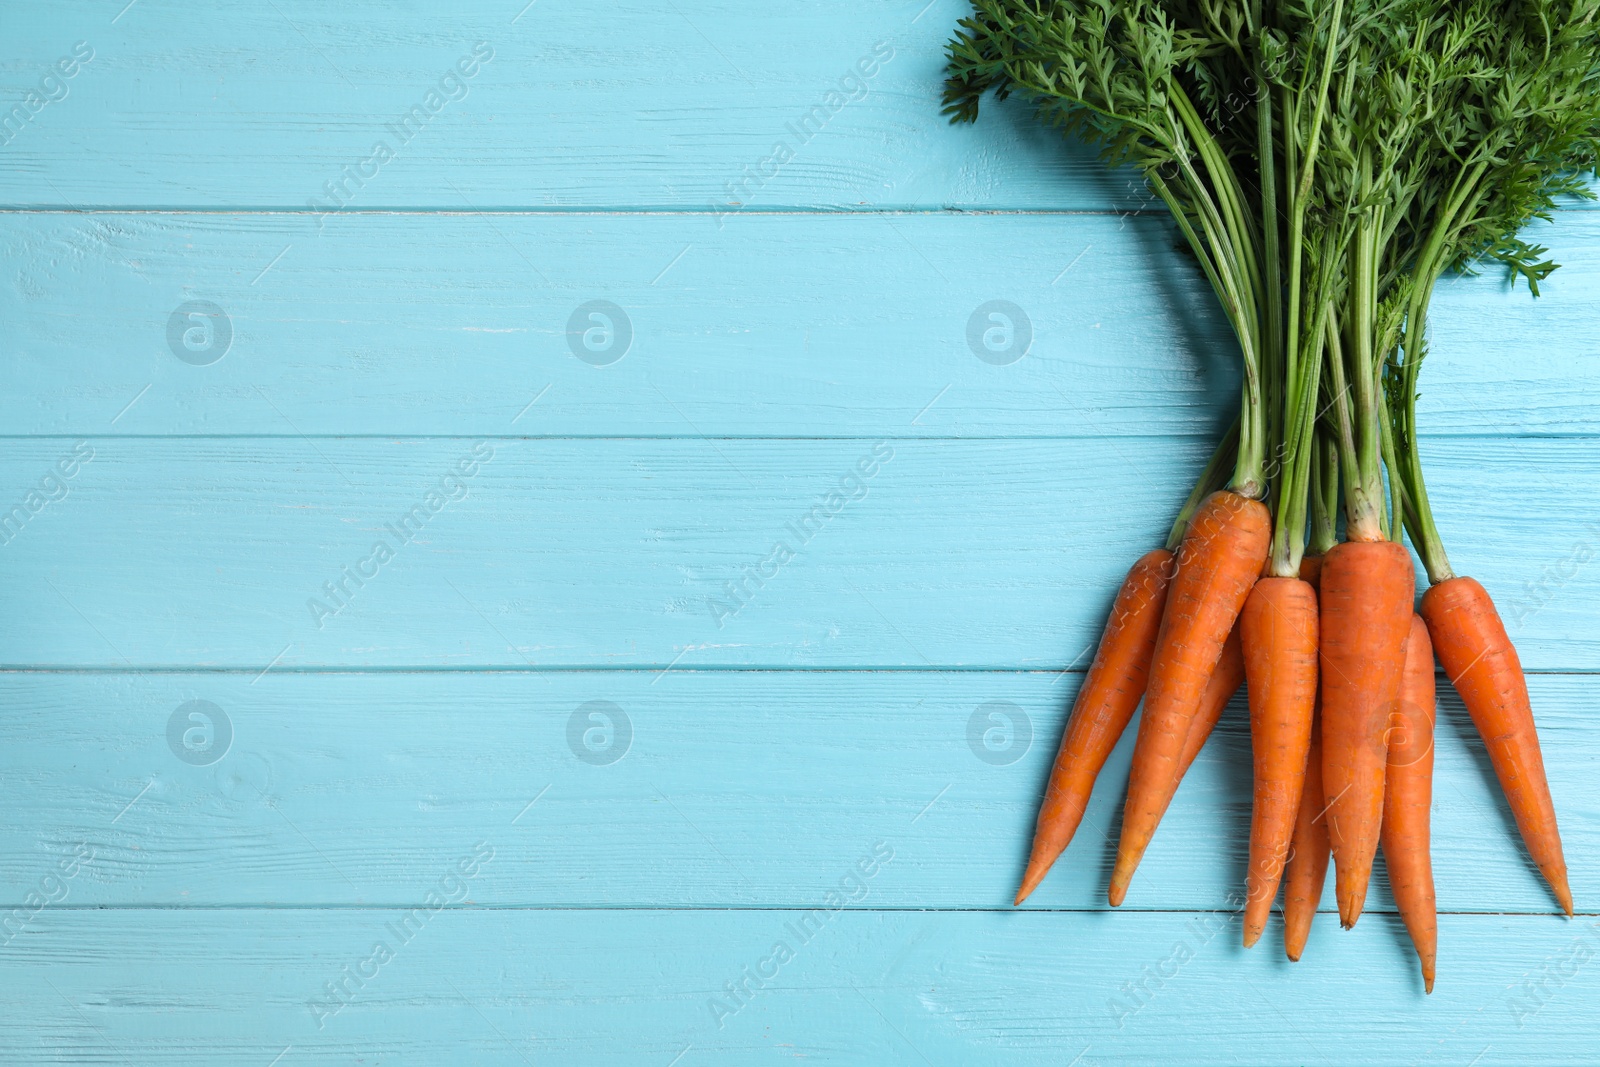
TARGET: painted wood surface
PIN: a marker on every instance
(868, 987)
(627, 104)
(248, 553)
(621, 789)
(774, 325)
(183, 500)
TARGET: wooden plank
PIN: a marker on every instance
(587, 988)
(636, 105)
(614, 789)
(219, 552)
(799, 326)
(774, 326)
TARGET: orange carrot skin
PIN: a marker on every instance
(1366, 595)
(1311, 570)
(1407, 796)
(1307, 870)
(1224, 682)
(1222, 553)
(1279, 627)
(1478, 657)
(1105, 704)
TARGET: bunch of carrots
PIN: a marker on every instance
(1326, 162)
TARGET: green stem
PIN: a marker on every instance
(1325, 496)
(1210, 481)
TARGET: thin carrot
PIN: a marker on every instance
(1367, 590)
(1307, 871)
(1220, 687)
(1115, 682)
(1483, 665)
(1221, 555)
(1408, 794)
(1279, 630)
(1110, 693)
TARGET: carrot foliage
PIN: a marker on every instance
(1327, 162)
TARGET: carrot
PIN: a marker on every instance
(1481, 663)
(1307, 870)
(1110, 693)
(1279, 631)
(1408, 794)
(1220, 687)
(1221, 555)
(1367, 589)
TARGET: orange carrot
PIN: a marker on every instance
(1110, 693)
(1279, 631)
(1367, 589)
(1481, 663)
(1311, 570)
(1307, 870)
(1308, 867)
(1221, 555)
(1220, 687)
(1407, 796)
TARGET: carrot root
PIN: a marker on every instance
(1307, 870)
(1225, 681)
(1407, 797)
(1222, 553)
(1366, 594)
(1279, 630)
(1104, 705)
(1482, 664)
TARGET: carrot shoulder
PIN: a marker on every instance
(1220, 557)
(1106, 702)
(1408, 794)
(1482, 664)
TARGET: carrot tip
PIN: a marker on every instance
(1294, 955)
(1118, 889)
(1031, 878)
(1252, 934)
(1564, 897)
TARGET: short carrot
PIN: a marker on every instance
(1110, 693)
(1221, 555)
(1482, 664)
(1279, 631)
(1367, 591)
(1407, 796)
(1220, 687)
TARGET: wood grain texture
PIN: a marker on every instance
(167, 519)
(218, 552)
(625, 104)
(701, 789)
(177, 987)
(800, 326)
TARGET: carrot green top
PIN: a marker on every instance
(1325, 162)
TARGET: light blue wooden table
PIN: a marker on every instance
(398, 664)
